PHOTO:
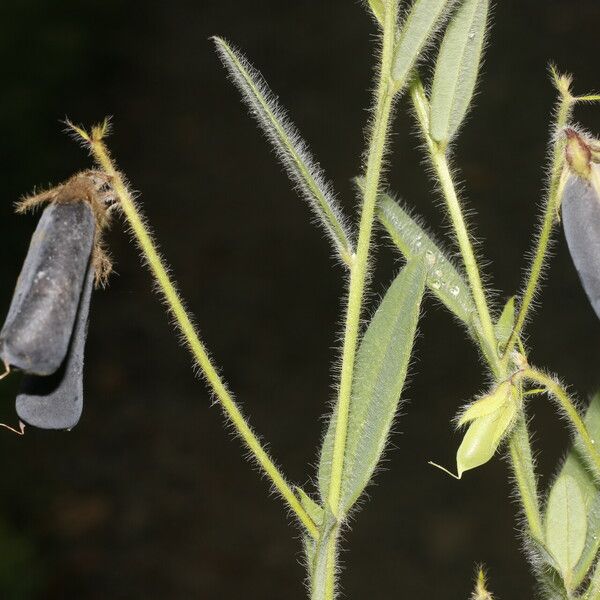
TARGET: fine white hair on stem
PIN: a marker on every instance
(290, 148)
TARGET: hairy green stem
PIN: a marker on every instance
(519, 442)
(563, 114)
(187, 329)
(444, 177)
(442, 169)
(558, 392)
(360, 266)
(358, 277)
(519, 446)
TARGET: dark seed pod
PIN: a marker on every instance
(56, 401)
(37, 331)
(581, 223)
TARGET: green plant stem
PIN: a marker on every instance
(442, 169)
(563, 114)
(519, 446)
(331, 565)
(186, 327)
(360, 265)
(558, 392)
(444, 177)
(358, 276)
(519, 442)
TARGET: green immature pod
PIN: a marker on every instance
(581, 224)
(38, 328)
(490, 420)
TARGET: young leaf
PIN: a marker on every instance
(381, 367)
(378, 9)
(481, 591)
(575, 467)
(422, 22)
(444, 279)
(456, 69)
(566, 524)
(506, 322)
(315, 512)
(291, 149)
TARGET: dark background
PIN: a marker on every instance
(148, 496)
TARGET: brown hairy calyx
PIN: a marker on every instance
(93, 187)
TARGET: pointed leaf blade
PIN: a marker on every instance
(381, 367)
(422, 22)
(445, 279)
(292, 151)
(566, 524)
(456, 69)
(506, 322)
(378, 9)
(575, 467)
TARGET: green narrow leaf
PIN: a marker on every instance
(506, 322)
(314, 510)
(424, 19)
(566, 524)
(378, 9)
(575, 467)
(456, 69)
(381, 366)
(445, 279)
(291, 149)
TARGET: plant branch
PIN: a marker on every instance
(186, 327)
(563, 113)
(359, 268)
(519, 443)
(554, 388)
(519, 446)
(444, 176)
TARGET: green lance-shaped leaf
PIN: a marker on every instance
(378, 9)
(422, 22)
(381, 367)
(444, 279)
(566, 525)
(314, 510)
(456, 69)
(506, 322)
(291, 149)
(576, 468)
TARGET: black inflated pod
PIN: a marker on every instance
(40, 321)
(581, 223)
(56, 401)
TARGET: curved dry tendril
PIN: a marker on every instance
(20, 431)
(6, 372)
(94, 140)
